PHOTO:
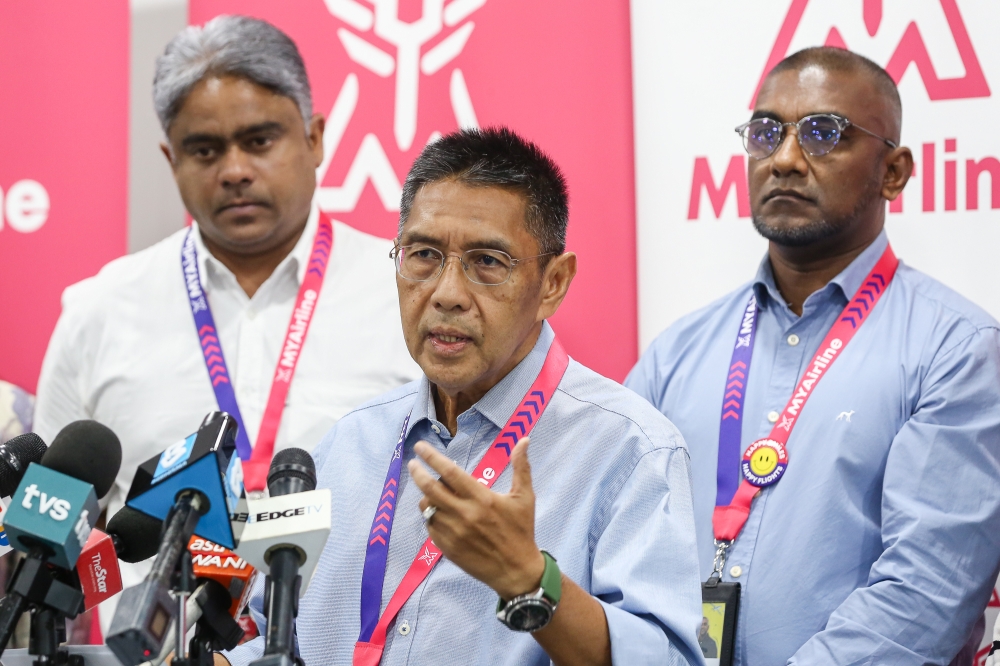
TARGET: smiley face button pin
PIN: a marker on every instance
(764, 462)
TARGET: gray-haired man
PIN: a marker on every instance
(262, 294)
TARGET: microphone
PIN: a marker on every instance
(131, 536)
(15, 456)
(55, 506)
(286, 532)
(208, 607)
(183, 486)
(51, 515)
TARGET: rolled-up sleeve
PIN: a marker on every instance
(940, 523)
(645, 570)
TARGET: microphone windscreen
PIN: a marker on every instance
(24, 449)
(88, 451)
(138, 534)
(289, 464)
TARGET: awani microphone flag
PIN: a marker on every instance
(215, 562)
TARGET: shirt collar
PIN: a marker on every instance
(500, 401)
(298, 257)
(848, 281)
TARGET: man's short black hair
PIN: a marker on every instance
(497, 157)
(841, 60)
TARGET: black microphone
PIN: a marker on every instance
(53, 530)
(292, 471)
(135, 535)
(15, 456)
(187, 479)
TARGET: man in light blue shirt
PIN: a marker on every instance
(881, 542)
(607, 493)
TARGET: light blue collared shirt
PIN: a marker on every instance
(881, 542)
(613, 506)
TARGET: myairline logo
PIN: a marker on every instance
(190, 265)
(300, 322)
(813, 17)
(377, 39)
(25, 207)
(819, 365)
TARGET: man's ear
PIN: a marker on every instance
(556, 278)
(899, 168)
(169, 154)
(317, 125)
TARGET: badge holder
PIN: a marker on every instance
(720, 605)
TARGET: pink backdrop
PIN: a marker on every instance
(535, 66)
(63, 124)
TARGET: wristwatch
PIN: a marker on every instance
(532, 611)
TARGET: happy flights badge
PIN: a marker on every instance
(764, 462)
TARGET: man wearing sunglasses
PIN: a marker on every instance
(463, 553)
(842, 409)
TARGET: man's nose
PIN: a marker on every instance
(452, 289)
(789, 158)
(235, 168)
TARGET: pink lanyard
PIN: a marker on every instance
(765, 460)
(255, 469)
(368, 650)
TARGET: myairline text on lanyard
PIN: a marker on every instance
(256, 460)
(371, 642)
(765, 460)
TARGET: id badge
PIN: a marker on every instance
(720, 605)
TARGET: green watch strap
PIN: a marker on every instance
(551, 579)
(551, 582)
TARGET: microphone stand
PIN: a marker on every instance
(51, 595)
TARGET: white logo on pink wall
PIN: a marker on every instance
(405, 66)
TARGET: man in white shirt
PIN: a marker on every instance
(234, 102)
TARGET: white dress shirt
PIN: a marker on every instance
(125, 351)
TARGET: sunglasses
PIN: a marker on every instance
(818, 134)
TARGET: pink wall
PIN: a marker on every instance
(64, 124)
(558, 72)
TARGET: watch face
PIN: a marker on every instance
(529, 615)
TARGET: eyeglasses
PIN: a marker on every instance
(423, 263)
(818, 134)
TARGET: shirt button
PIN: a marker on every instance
(736, 571)
(436, 429)
(404, 628)
(793, 339)
(773, 417)
(251, 313)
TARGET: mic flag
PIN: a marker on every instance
(100, 576)
(300, 519)
(54, 511)
(196, 462)
(215, 562)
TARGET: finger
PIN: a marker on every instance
(456, 478)
(434, 491)
(521, 483)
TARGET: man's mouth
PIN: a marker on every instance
(448, 341)
(242, 205)
(786, 194)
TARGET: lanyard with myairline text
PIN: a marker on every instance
(371, 642)
(765, 460)
(257, 459)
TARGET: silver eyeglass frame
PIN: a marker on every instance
(842, 125)
(514, 263)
